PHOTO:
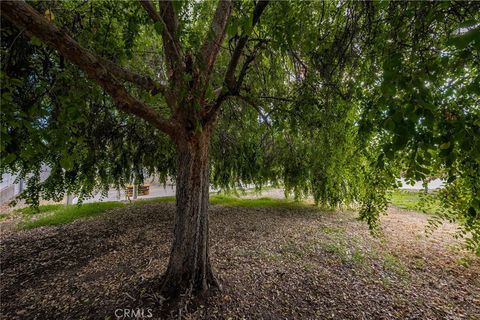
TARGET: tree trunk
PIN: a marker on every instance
(189, 270)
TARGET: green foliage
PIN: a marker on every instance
(459, 203)
(426, 105)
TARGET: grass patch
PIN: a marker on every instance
(358, 256)
(343, 245)
(333, 230)
(57, 214)
(153, 200)
(234, 201)
(225, 200)
(292, 250)
(411, 200)
(392, 263)
(66, 214)
(337, 249)
(40, 209)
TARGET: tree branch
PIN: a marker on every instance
(142, 81)
(242, 42)
(222, 94)
(230, 83)
(214, 39)
(169, 16)
(171, 46)
(250, 101)
(25, 17)
(246, 64)
(277, 98)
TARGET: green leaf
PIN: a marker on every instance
(463, 40)
(177, 5)
(9, 159)
(66, 162)
(158, 27)
(445, 145)
(468, 24)
(35, 41)
(389, 125)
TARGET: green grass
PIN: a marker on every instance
(406, 199)
(358, 256)
(61, 214)
(264, 202)
(410, 200)
(58, 214)
(153, 200)
(392, 263)
(333, 230)
(41, 209)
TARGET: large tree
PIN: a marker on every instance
(330, 99)
(191, 122)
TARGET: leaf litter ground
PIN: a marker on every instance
(274, 263)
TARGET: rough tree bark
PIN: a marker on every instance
(189, 270)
